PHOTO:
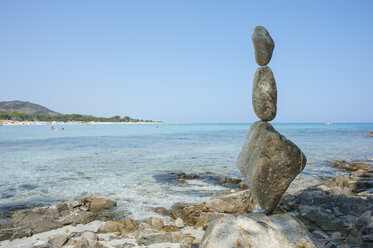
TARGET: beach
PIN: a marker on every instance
(62, 123)
(337, 212)
(143, 168)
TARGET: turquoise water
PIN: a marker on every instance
(131, 163)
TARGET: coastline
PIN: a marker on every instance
(336, 212)
(42, 123)
(46, 123)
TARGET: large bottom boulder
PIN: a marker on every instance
(258, 230)
(269, 162)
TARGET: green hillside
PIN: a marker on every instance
(27, 111)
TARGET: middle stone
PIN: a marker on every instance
(264, 94)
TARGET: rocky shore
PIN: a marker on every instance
(337, 213)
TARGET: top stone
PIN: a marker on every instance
(263, 45)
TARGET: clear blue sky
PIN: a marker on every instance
(188, 61)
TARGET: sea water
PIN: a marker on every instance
(132, 164)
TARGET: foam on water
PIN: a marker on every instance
(121, 162)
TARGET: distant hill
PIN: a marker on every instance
(25, 108)
(27, 111)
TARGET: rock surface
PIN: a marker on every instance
(58, 241)
(258, 230)
(269, 162)
(338, 211)
(179, 222)
(99, 203)
(153, 236)
(48, 218)
(111, 226)
(156, 222)
(14, 233)
(264, 94)
(202, 214)
(129, 225)
(263, 45)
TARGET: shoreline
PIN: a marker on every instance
(78, 123)
(42, 123)
(349, 198)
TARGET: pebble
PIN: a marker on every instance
(179, 223)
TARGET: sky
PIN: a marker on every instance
(188, 61)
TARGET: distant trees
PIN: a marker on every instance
(65, 118)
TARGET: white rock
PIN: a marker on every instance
(41, 244)
(179, 223)
(258, 230)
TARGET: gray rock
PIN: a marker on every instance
(129, 225)
(187, 242)
(237, 203)
(155, 222)
(153, 236)
(82, 243)
(125, 245)
(324, 218)
(96, 244)
(58, 241)
(258, 230)
(142, 226)
(264, 94)
(58, 215)
(37, 220)
(206, 218)
(71, 243)
(269, 162)
(41, 244)
(368, 238)
(99, 203)
(76, 216)
(263, 45)
(90, 236)
(14, 233)
(111, 226)
(320, 235)
(365, 220)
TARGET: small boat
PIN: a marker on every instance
(329, 123)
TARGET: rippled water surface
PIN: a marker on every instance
(132, 163)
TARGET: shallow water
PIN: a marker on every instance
(132, 163)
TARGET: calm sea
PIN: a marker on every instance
(133, 164)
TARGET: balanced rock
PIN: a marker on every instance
(263, 45)
(269, 162)
(264, 95)
(258, 230)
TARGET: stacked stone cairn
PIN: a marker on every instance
(268, 161)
